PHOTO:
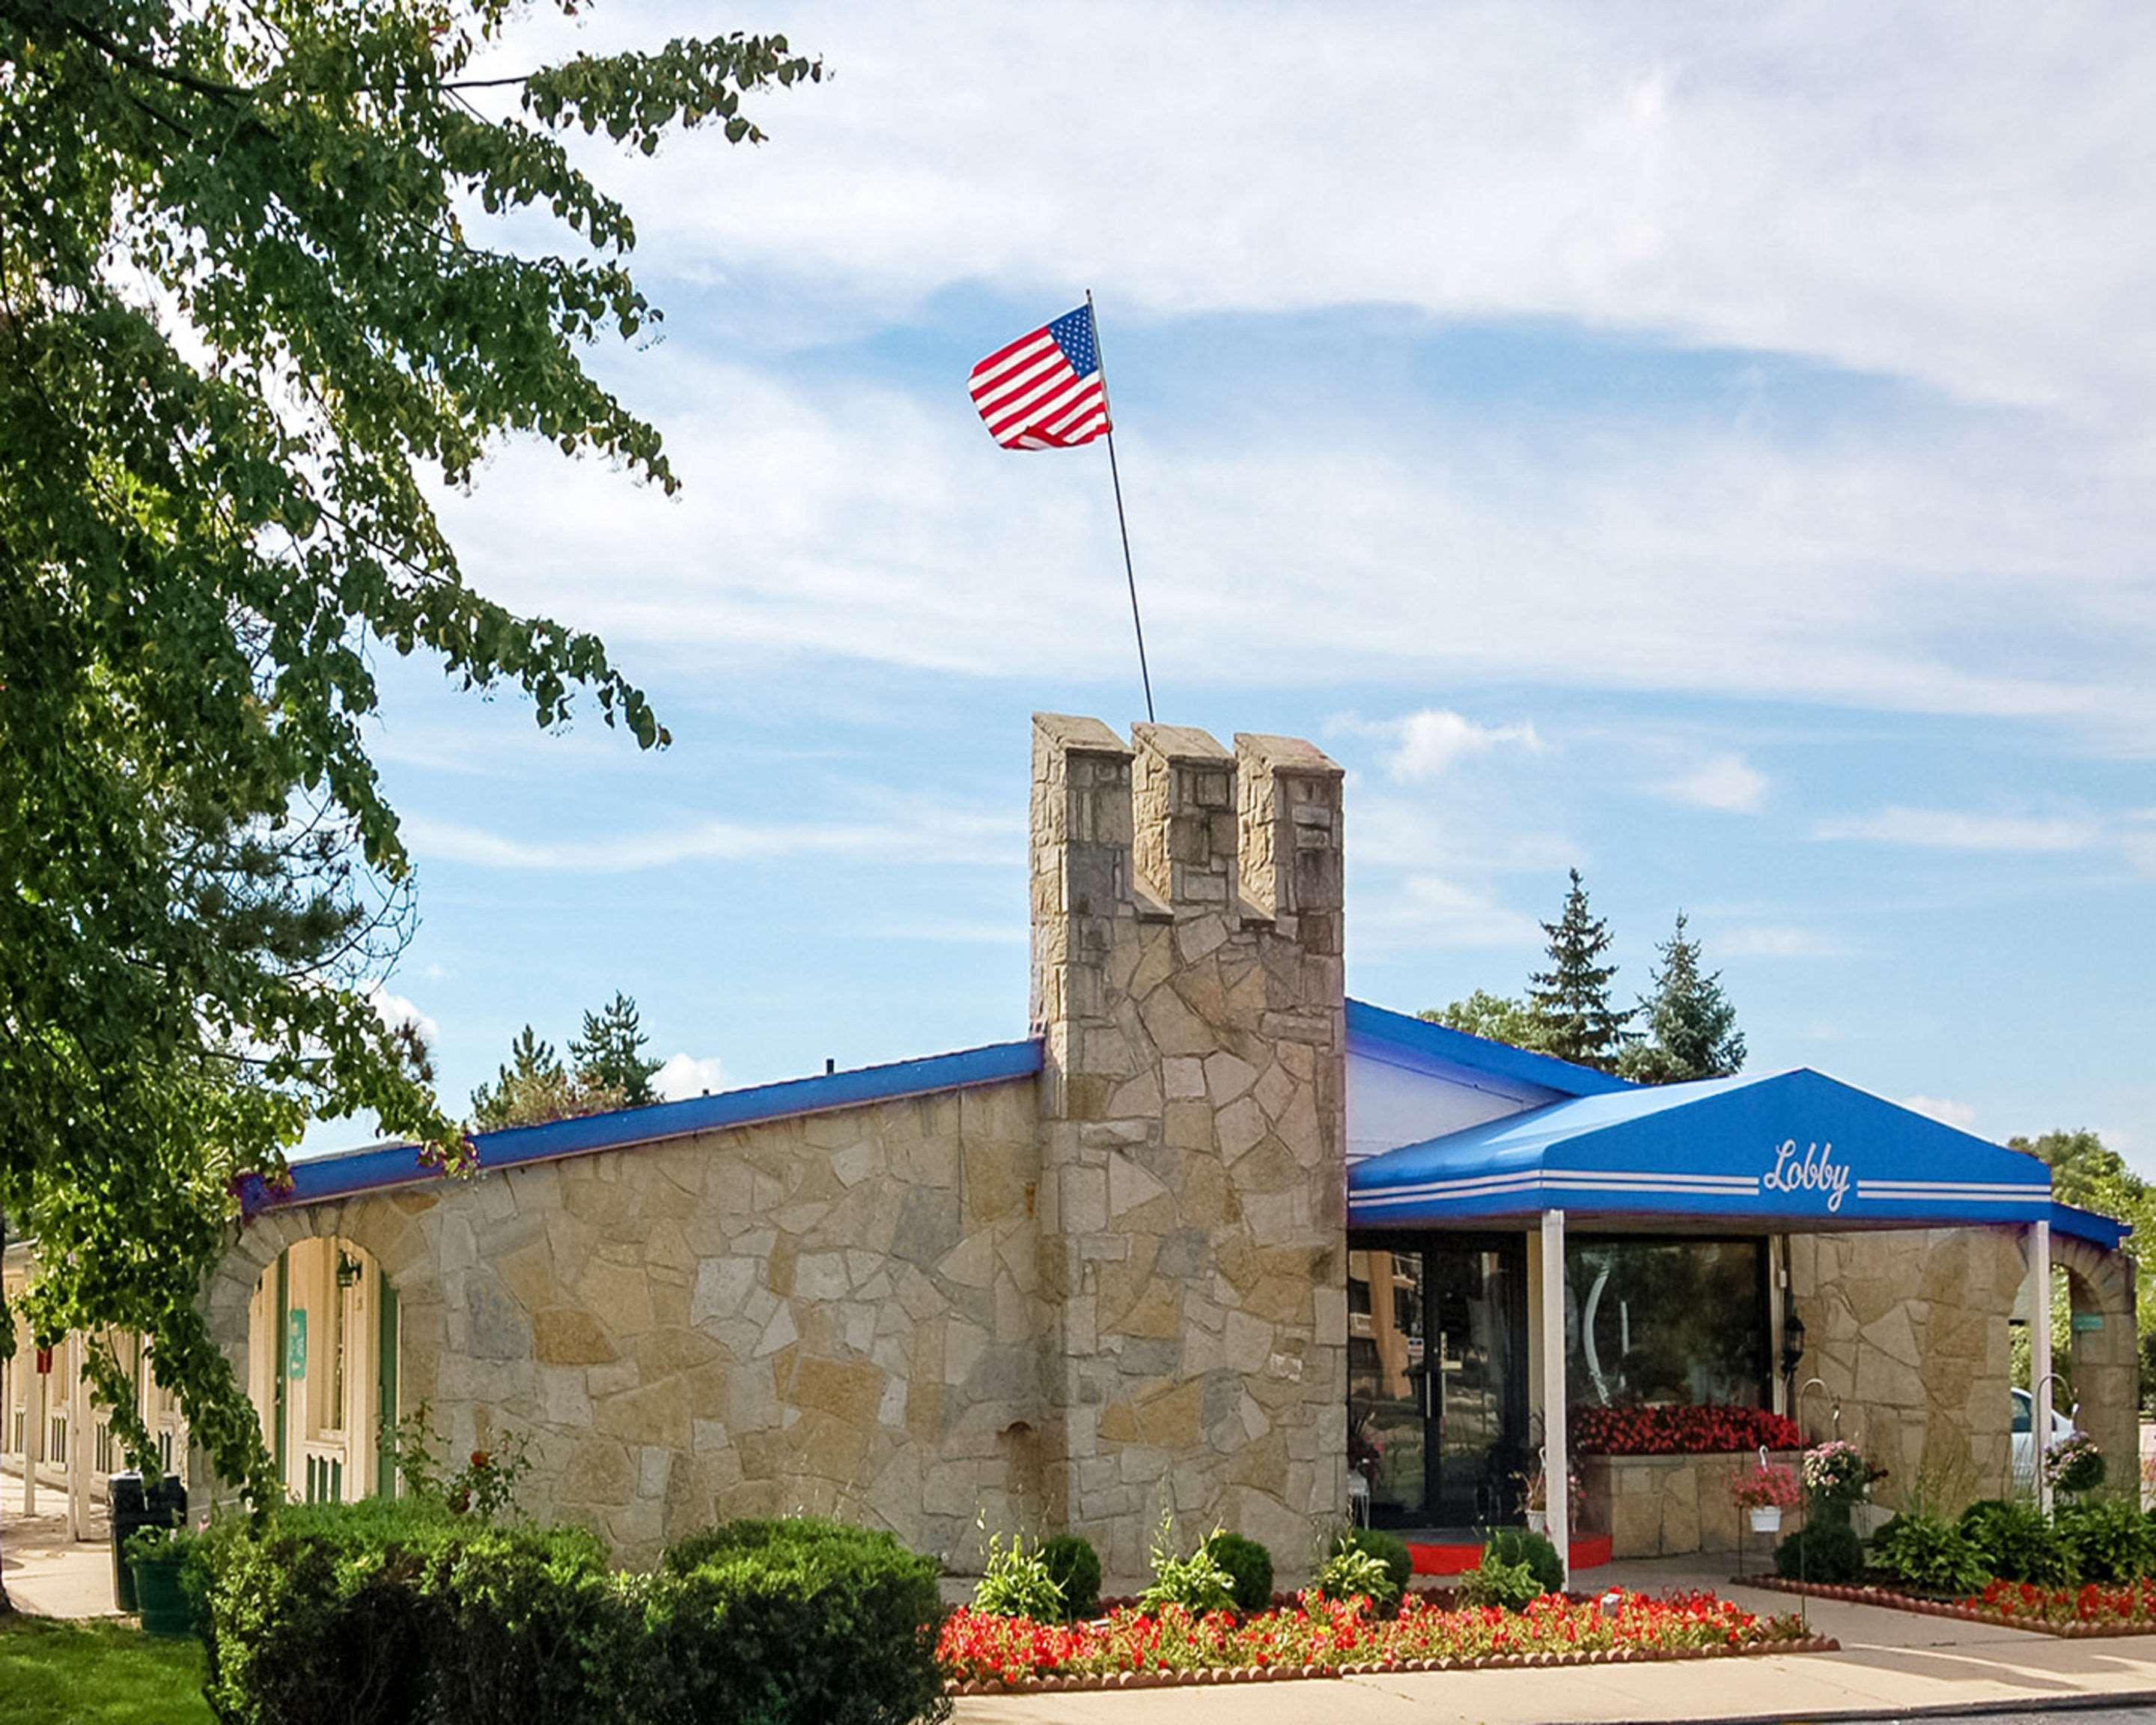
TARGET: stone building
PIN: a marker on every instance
(1211, 1239)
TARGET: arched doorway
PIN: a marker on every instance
(323, 1340)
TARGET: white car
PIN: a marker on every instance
(2024, 1445)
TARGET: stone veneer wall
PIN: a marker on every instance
(1909, 1330)
(1667, 1505)
(833, 1312)
(1187, 977)
(1074, 1302)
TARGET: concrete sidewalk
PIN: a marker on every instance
(46, 1571)
(1891, 1662)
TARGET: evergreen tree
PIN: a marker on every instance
(1691, 1027)
(531, 1088)
(1570, 1001)
(609, 1054)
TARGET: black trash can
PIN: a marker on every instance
(132, 1507)
(127, 1506)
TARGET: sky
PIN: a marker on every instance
(1710, 446)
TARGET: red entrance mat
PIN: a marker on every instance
(1589, 1551)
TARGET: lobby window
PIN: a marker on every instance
(1663, 1319)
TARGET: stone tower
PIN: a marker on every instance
(1188, 980)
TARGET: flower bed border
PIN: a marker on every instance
(1072, 1683)
(1911, 1603)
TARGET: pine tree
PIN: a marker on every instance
(1691, 1027)
(531, 1089)
(609, 1054)
(1570, 1000)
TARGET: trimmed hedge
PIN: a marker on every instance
(1827, 1551)
(1248, 1565)
(1520, 1545)
(1387, 1548)
(1075, 1567)
(402, 1614)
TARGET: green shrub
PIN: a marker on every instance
(1196, 1583)
(1511, 1587)
(1826, 1551)
(1250, 1568)
(391, 1613)
(1074, 1566)
(1928, 1555)
(791, 1622)
(1387, 1549)
(2109, 1540)
(404, 1613)
(2015, 1542)
(1015, 1583)
(1351, 1574)
(1518, 1545)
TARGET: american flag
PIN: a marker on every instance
(1044, 391)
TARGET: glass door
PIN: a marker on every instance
(1477, 1321)
(1387, 1386)
(1436, 1380)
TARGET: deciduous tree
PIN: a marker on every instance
(256, 297)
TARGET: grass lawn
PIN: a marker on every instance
(53, 1672)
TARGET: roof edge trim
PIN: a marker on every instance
(379, 1167)
(1381, 1032)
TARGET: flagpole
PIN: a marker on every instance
(1107, 407)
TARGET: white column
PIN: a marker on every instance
(80, 1450)
(2040, 1354)
(1557, 1474)
(33, 1432)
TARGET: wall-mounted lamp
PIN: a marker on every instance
(349, 1270)
(1792, 1343)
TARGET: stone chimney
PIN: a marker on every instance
(1188, 983)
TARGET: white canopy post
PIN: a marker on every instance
(1557, 1471)
(2039, 1355)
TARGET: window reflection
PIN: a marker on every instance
(1677, 1321)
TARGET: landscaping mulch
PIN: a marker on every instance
(1963, 1610)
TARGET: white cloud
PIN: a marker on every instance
(948, 836)
(1727, 781)
(1433, 739)
(394, 1009)
(1429, 911)
(687, 1075)
(1944, 1110)
(1954, 829)
(1690, 170)
(1774, 940)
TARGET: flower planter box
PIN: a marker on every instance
(1070, 1684)
(1963, 1611)
(1670, 1505)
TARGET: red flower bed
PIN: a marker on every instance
(2132, 1603)
(1655, 1430)
(1316, 1635)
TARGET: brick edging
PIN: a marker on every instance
(1893, 1601)
(1069, 1683)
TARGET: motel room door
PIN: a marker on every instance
(1436, 1379)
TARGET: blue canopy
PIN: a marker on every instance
(1789, 1151)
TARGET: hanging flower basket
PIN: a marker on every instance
(1537, 1521)
(1766, 1518)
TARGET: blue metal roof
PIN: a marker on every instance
(351, 1172)
(1396, 1037)
(1789, 1150)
